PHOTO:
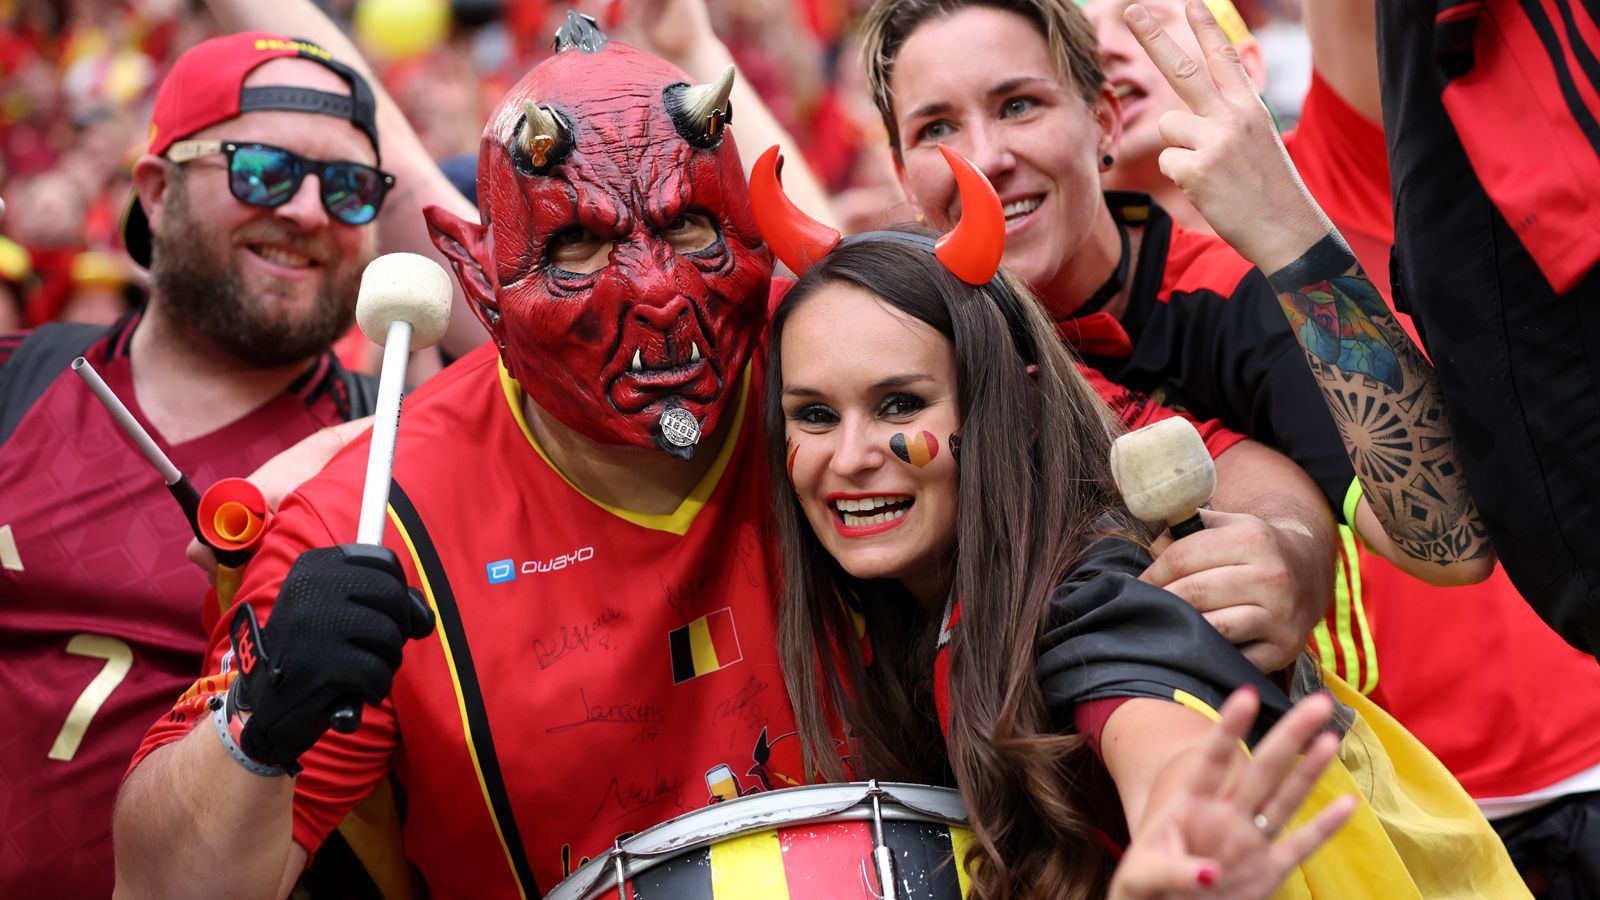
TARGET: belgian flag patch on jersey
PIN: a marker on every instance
(704, 646)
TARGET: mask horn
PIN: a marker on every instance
(795, 238)
(543, 137)
(972, 249)
(700, 112)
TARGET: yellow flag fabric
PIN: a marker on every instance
(1415, 832)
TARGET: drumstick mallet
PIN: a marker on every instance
(404, 303)
(1165, 474)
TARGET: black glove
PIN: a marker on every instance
(333, 641)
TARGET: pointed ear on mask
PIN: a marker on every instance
(470, 249)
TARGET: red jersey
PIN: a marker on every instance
(1443, 650)
(1135, 410)
(1202, 334)
(100, 624)
(1533, 699)
(1342, 160)
(594, 671)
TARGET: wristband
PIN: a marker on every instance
(224, 717)
(1327, 259)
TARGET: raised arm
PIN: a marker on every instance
(418, 179)
(1344, 50)
(680, 31)
(1380, 389)
(211, 811)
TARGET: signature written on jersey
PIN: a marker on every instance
(620, 799)
(571, 638)
(645, 714)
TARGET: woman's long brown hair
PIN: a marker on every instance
(1034, 478)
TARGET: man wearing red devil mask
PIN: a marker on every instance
(603, 644)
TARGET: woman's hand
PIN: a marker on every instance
(1218, 837)
(1223, 151)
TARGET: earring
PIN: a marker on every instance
(1107, 160)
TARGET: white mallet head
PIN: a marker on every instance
(1163, 470)
(404, 287)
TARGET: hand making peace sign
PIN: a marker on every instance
(1224, 152)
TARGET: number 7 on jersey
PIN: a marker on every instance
(119, 659)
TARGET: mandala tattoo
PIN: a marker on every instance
(1387, 406)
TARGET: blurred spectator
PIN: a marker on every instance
(76, 78)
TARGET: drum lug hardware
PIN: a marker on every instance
(882, 856)
(619, 860)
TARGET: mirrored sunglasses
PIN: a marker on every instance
(268, 176)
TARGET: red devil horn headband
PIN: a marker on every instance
(971, 250)
(795, 238)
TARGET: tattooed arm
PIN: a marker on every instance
(1224, 153)
(1385, 399)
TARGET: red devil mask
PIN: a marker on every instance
(644, 342)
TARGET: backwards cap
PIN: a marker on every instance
(206, 86)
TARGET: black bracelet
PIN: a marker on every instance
(1327, 258)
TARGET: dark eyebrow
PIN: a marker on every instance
(931, 108)
(892, 381)
(1011, 84)
(900, 381)
(939, 107)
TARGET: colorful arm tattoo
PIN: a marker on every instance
(1386, 401)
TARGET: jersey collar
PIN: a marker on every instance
(676, 522)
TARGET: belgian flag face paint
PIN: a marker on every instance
(789, 451)
(918, 449)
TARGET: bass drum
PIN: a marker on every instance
(817, 842)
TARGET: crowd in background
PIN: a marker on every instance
(77, 78)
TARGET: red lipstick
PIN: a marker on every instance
(861, 531)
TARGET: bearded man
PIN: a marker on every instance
(253, 214)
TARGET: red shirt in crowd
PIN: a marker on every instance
(100, 625)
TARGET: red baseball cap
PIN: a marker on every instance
(206, 86)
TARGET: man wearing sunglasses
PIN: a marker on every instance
(254, 213)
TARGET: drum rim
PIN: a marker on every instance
(840, 802)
